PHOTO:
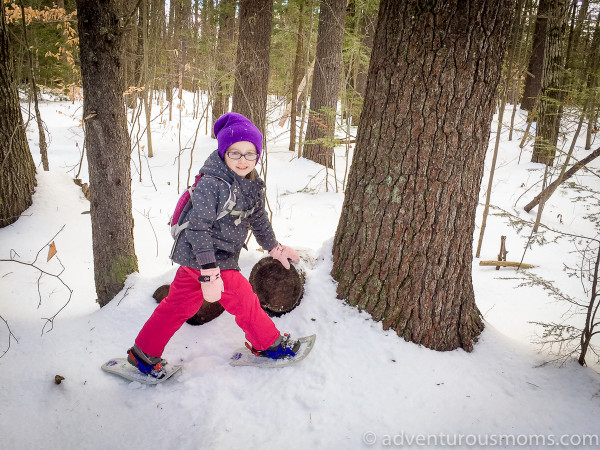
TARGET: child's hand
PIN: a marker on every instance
(282, 253)
(213, 286)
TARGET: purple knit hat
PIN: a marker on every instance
(233, 127)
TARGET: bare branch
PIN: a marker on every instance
(13, 253)
(10, 335)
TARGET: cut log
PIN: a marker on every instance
(506, 264)
(279, 290)
(206, 313)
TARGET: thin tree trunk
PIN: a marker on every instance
(204, 18)
(541, 199)
(180, 96)
(533, 77)
(548, 118)
(34, 93)
(592, 126)
(252, 61)
(161, 50)
(516, 57)
(107, 142)
(297, 76)
(368, 23)
(592, 310)
(592, 82)
(319, 140)
(307, 80)
(172, 35)
(575, 36)
(224, 66)
(146, 79)
(504, 95)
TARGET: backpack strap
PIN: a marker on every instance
(231, 200)
(241, 215)
(178, 227)
(229, 206)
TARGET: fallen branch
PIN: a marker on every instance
(49, 320)
(506, 264)
(10, 334)
(546, 193)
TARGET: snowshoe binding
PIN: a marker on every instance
(149, 365)
(284, 346)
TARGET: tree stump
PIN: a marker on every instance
(279, 290)
(206, 313)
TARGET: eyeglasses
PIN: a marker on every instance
(248, 156)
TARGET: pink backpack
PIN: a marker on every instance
(178, 219)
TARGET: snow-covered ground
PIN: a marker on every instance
(361, 387)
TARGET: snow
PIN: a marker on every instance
(361, 387)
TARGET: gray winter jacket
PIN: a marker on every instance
(208, 240)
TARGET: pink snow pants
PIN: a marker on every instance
(184, 300)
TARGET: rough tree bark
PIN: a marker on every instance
(549, 102)
(252, 61)
(318, 145)
(17, 170)
(533, 76)
(100, 27)
(403, 247)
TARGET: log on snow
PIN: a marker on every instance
(506, 264)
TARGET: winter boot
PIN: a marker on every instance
(283, 346)
(150, 365)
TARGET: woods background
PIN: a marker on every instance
(320, 60)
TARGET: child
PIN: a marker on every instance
(209, 247)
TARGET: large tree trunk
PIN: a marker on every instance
(533, 76)
(403, 247)
(107, 143)
(326, 83)
(252, 62)
(17, 170)
(549, 102)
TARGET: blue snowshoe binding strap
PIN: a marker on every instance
(286, 347)
(154, 370)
